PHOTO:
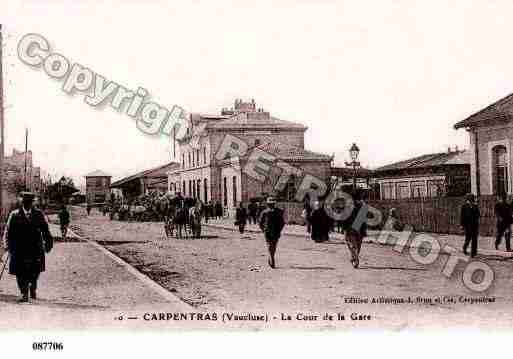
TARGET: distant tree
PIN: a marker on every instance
(62, 190)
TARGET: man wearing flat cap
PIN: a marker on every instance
(271, 223)
(27, 238)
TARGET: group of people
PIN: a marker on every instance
(212, 210)
(319, 223)
(27, 237)
(470, 217)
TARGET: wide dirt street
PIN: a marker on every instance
(227, 272)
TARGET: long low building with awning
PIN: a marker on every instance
(154, 179)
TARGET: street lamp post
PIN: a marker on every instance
(354, 151)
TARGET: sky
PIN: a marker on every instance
(392, 76)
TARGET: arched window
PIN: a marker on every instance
(500, 170)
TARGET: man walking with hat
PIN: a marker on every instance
(27, 238)
(469, 220)
(271, 223)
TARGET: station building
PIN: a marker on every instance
(206, 173)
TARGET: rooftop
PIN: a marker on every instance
(501, 111)
(155, 172)
(98, 173)
(430, 160)
(244, 115)
(256, 120)
(349, 172)
(289, 152)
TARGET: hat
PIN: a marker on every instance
(27, 195)
(271, 200)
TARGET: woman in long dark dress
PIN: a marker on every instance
(321, 223)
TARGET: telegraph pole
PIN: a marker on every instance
(26, 150)
(1, 130)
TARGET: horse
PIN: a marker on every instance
(137, 212)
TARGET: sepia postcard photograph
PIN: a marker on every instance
(292, 166)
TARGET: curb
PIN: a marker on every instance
(166, 294)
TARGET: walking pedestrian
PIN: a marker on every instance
(27, 238)
(88, 208)
(181, 220)
(355, 227)
(469, 220)
(64, 220)
(252, 210)
(503, 212)
(241, 217)
(208, 211)
(392, 223)
(307, 213)
(271, 223)
(321, 223)
(218, 210)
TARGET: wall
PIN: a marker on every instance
(288, 137)
(487, 137)
(93, 188)
(229, 172)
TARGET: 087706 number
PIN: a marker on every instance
(44, 346)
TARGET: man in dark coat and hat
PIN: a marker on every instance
(271, 223)
(504, 215)
(469, 220)
(241, 217)
(27, 238)
(355, 227)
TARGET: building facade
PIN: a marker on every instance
(209, 171)
(97, 187)
(432, 175)
(491, 139)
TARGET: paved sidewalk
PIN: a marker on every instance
(486, 244)
(81, 288)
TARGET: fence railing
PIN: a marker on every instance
(439, 214)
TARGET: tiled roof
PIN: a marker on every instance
(289, 152)
(159, 171)
(430, 160)
(501, 110)
(98, 173)
(254, 120)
